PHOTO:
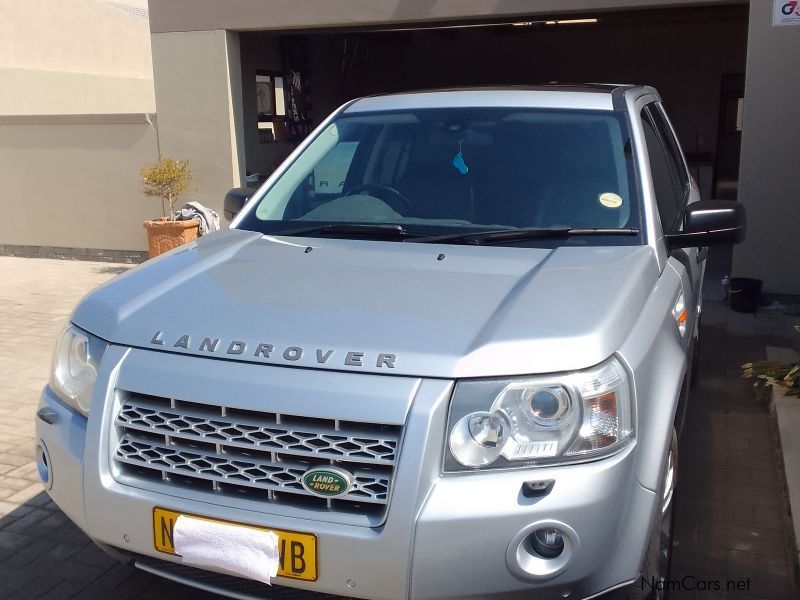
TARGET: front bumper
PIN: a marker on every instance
(445, 536)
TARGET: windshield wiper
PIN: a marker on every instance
(376, 230)
(494, 236)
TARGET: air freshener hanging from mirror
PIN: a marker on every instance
(458, 162)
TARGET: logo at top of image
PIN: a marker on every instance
(327, 482)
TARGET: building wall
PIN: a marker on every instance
(76, 84)
(75, 57)
(768, 183)
(198, 93)
(244, 15)
(73, 181)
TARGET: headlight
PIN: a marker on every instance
(539, 420)
(74, 370)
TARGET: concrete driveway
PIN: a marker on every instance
(731, 528)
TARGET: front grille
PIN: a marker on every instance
(256, 455)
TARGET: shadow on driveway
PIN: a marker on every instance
(44, 555)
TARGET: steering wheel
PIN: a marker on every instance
(388, 194)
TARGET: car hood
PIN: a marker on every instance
(382, 307)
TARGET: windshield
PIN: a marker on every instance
(436, 172)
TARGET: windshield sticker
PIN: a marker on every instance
(458, 162)
(610, 200)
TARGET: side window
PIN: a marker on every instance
(673, 148)
(666, 181)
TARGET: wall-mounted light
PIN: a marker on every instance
(571, 22)
(480, 25)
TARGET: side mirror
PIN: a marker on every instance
(710, 222)
(235, 200)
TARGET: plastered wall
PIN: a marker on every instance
(74, 182)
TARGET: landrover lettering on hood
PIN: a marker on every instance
(263, 351)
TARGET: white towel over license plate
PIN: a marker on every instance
(297, 551)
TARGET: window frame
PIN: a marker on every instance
(654, 115)
(274, 117)
(675, 148)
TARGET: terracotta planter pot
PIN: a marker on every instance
(164, 235)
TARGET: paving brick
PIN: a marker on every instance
(29, 554)
(756, 545)
(735, 531)
(42, 501)
(68, 533)
(14, 483)
(16, 578)
(90, 554)
(14, 541)
(62, 551)
(116, 575)
(27, 471)
(54, 519)
(30, 523)
(773, 565)
(5, 590)
(12, 510)
(170, 589)
(140, 582)
(748, 499)
(35, 588)
(6, 493)
(741, 562)
(84, 573)
(64, 590)
(96, 592)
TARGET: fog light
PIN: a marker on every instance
(542, 550)
(43, 465)
(547, 542)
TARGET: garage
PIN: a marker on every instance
(695, 57)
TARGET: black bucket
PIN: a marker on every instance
(744, 294)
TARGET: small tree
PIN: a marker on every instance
(168, 179)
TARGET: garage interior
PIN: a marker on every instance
(695, 57)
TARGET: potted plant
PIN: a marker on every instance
(168, 179)
(769, 373)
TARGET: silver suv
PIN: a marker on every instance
(443, 352)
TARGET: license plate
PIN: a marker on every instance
(297, 551)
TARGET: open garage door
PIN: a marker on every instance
(689, 54)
